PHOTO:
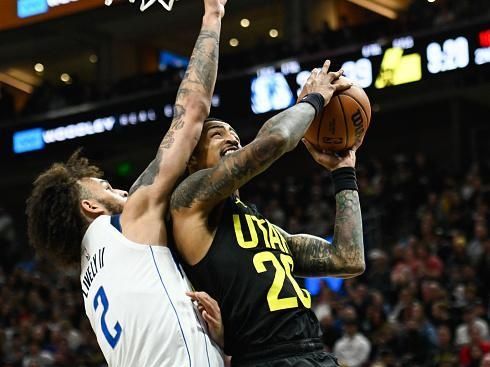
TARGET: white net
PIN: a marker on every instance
(145, 4)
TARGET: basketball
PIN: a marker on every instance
(343, 122)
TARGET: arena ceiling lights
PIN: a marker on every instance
(386, 8)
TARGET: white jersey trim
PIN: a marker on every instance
(173, 307)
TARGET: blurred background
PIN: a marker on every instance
(77, 73)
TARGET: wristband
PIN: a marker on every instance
(344, 179)
(316, 100)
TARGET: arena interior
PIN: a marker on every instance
(78, 73)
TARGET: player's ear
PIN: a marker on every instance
(91, 208)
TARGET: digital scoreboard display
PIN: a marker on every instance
(377, 66)
(399, 61)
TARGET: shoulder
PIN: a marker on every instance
(101, 223)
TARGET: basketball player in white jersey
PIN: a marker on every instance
(133, 290)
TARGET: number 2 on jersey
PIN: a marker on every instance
(111, 339)
(282, 271)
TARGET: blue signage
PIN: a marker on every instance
(28, 140)
(169, 59)
(313, 285)
(29, 8)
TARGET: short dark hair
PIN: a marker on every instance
(209, 119)
(55, 224)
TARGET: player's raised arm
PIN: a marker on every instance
(192, 106)
(314, 256)
(203, 190)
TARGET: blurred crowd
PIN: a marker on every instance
(423, 300)
(421, 15)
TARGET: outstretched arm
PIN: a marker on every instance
(192, 106)
(344, 258)
(203, 190)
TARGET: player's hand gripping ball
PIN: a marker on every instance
(344, 120)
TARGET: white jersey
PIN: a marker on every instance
(135, 300)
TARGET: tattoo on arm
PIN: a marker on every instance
(215, 184)
(313, 256)
(198, 83)
(208, 187)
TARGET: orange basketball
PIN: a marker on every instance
(343, 122)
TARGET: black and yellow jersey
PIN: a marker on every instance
(248, 270)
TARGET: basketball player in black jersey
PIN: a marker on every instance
(245, 262)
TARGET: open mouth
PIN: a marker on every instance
(228, 151)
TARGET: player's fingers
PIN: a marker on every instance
(335, 75)
(328, 158)
(210, 319)
(209, 303)
(313, 76)
(315, 72)
(205, 316)
(313, 151)
(342, 84)
(326, 66)
(206, 299)
(196, 298)
(356, 146)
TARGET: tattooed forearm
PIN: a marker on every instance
(195, 91)
(292, 122)
(213, 185)
(313, 256)
(148, 175)
(198, 82)
(201, 73)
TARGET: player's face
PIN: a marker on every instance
(112, 200)
(218, 139)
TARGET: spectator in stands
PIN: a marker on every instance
(379, 276)
(413, 344)
(417, 314)
(475, 247)
(445, 353)
(470, 319)
(471, 353)
(352, 348)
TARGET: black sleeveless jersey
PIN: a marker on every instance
(248, 270)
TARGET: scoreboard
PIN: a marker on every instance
(401, 60)
(381, 66)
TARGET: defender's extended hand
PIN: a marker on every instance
(332, 160)
(211, 313)
(215, 7)
(326, 83)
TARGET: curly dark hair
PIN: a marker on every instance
(55, 223)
